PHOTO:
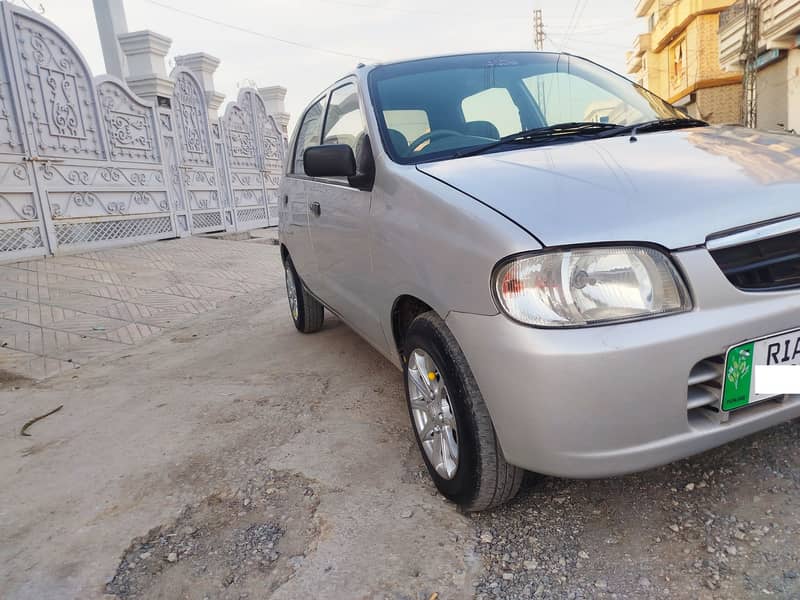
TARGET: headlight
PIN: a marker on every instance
(588, 286)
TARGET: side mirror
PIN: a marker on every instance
(332, 160)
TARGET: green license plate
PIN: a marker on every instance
(738, 385)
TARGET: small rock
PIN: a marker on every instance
(583, 555)
(246, 502)
(406, 514)
(508, 576)
(689, 487)
(487, 537)
(731, 550)
(739, 535)
(532, 564)
(674, 528)
(172, 557)
(601, 584)
(644, 582)
(144, 555)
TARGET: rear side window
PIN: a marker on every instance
(308, 135)
(343, 124)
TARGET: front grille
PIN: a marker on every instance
(768, 264)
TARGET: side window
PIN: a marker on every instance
(308, 135)
(494, 106)
(343, 123)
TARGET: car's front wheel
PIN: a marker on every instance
(452, 425)
(307, 312)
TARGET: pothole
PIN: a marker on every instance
(241, 543)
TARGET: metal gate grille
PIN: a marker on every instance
(254, 146)
(85, 163)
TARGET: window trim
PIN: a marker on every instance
(324, 97)
(328, 106)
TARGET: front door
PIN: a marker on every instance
(294, 221)
(339, 223)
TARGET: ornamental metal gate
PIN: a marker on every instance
(199, 208)
(255, 151)
(85, 163)
(84, 156)
(22, 231)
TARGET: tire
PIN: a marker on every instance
(482, 478)
(308, 313)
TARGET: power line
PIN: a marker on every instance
(260, 34)
(578, 16)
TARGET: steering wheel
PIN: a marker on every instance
(431, 136)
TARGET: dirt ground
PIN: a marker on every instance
(232, 457)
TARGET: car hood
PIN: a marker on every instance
(670, 188)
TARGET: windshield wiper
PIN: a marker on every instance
(559, 131)
(657, 125)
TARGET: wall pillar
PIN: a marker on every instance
(111, 22)
(203, 66)
(147, 73)
(274, 98)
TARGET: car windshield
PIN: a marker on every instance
(441, 108)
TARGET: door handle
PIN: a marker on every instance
(316, 209)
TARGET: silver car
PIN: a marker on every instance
(575, 277)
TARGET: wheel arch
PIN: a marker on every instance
(405, 309)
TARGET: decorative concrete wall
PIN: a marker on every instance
(90, 162)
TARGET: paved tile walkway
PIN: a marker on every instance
(59, 312)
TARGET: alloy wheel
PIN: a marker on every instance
(432, 413)
(291, 290)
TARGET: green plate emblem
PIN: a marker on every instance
(738, 377)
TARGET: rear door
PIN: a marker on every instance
(339, 222)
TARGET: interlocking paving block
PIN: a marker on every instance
(19, 275)
(21, 310)
(79, 301)
(21, 336)
(23, 365)
(142, 313)
(61, 311)
(18, 289)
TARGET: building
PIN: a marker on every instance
(677, 59)
(778, 62)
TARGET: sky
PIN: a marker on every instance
(331, 36)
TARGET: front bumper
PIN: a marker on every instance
(602, 401)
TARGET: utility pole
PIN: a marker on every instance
(750, 59)
(538, 29)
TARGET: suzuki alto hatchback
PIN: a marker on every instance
(575, 277)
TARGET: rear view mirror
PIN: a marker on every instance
(331, 160)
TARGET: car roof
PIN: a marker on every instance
(452, 55)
